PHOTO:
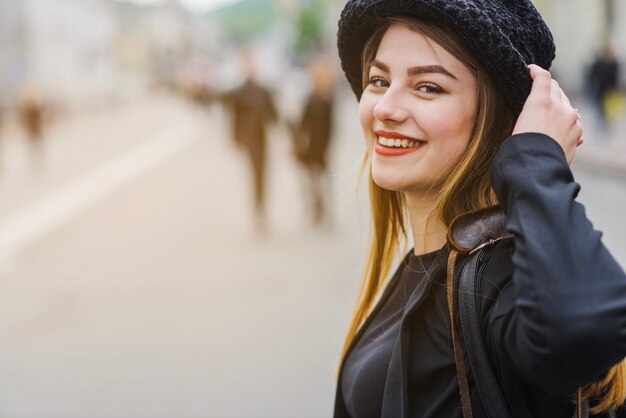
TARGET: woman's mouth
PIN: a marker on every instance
(397, 146)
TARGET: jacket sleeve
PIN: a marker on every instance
(568, 323)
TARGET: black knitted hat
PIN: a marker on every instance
(505, 35)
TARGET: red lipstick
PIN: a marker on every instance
(396, 151)
(395, 135)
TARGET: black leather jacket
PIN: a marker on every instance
(554, 299)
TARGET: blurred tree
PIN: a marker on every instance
(245, 19)
(310, 27)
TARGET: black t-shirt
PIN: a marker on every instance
(364, 375)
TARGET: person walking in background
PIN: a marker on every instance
(31, 115)
(312, 136)
(603, 80)
(252, 112)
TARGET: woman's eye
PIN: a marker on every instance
(378, 82)
(429, 88)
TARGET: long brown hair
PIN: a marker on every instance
(466, 188)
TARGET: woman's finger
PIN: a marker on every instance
(565, 99)
(558, 96)
(568, 105)
(555, 92)
(541, 80)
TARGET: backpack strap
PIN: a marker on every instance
(469, 309)
(489, 390)
(473, 234)
(472, 231)
(459, 361)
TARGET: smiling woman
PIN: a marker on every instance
(469, 142)
(414, 96)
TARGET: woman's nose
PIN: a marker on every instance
(390, 108)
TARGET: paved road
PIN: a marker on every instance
(131, 285)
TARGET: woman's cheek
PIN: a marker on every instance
(366, 118)
(452, 126)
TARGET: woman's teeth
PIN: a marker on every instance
(397, 143)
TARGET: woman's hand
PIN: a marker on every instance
(548, 111)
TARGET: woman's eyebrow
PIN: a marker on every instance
(378, 64)
(429, 69)
(420, 69)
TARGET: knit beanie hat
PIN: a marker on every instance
(505, 36)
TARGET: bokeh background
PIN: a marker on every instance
(136, 279)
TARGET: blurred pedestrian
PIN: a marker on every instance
(31, 113)
(508, 304)
(603, 80)
(252, 112)
(312, 135)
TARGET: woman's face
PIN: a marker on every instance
(417, 111)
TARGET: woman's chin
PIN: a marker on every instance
(392, 183)
(403, 184)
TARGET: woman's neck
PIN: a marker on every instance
(429, 233)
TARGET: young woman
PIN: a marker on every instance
(459, 114)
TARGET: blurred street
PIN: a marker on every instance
(132, 284)
(147, 295)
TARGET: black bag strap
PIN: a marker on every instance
(490, 393)
(469, 309)
(473, 234)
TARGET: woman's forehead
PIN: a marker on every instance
(404, 46)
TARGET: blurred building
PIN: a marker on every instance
(82, 53)
(166, 31)
(60, 47)
(154, 41)
(580, 27)
(12, 45)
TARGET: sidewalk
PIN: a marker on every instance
(604, 150)
(154, 296)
